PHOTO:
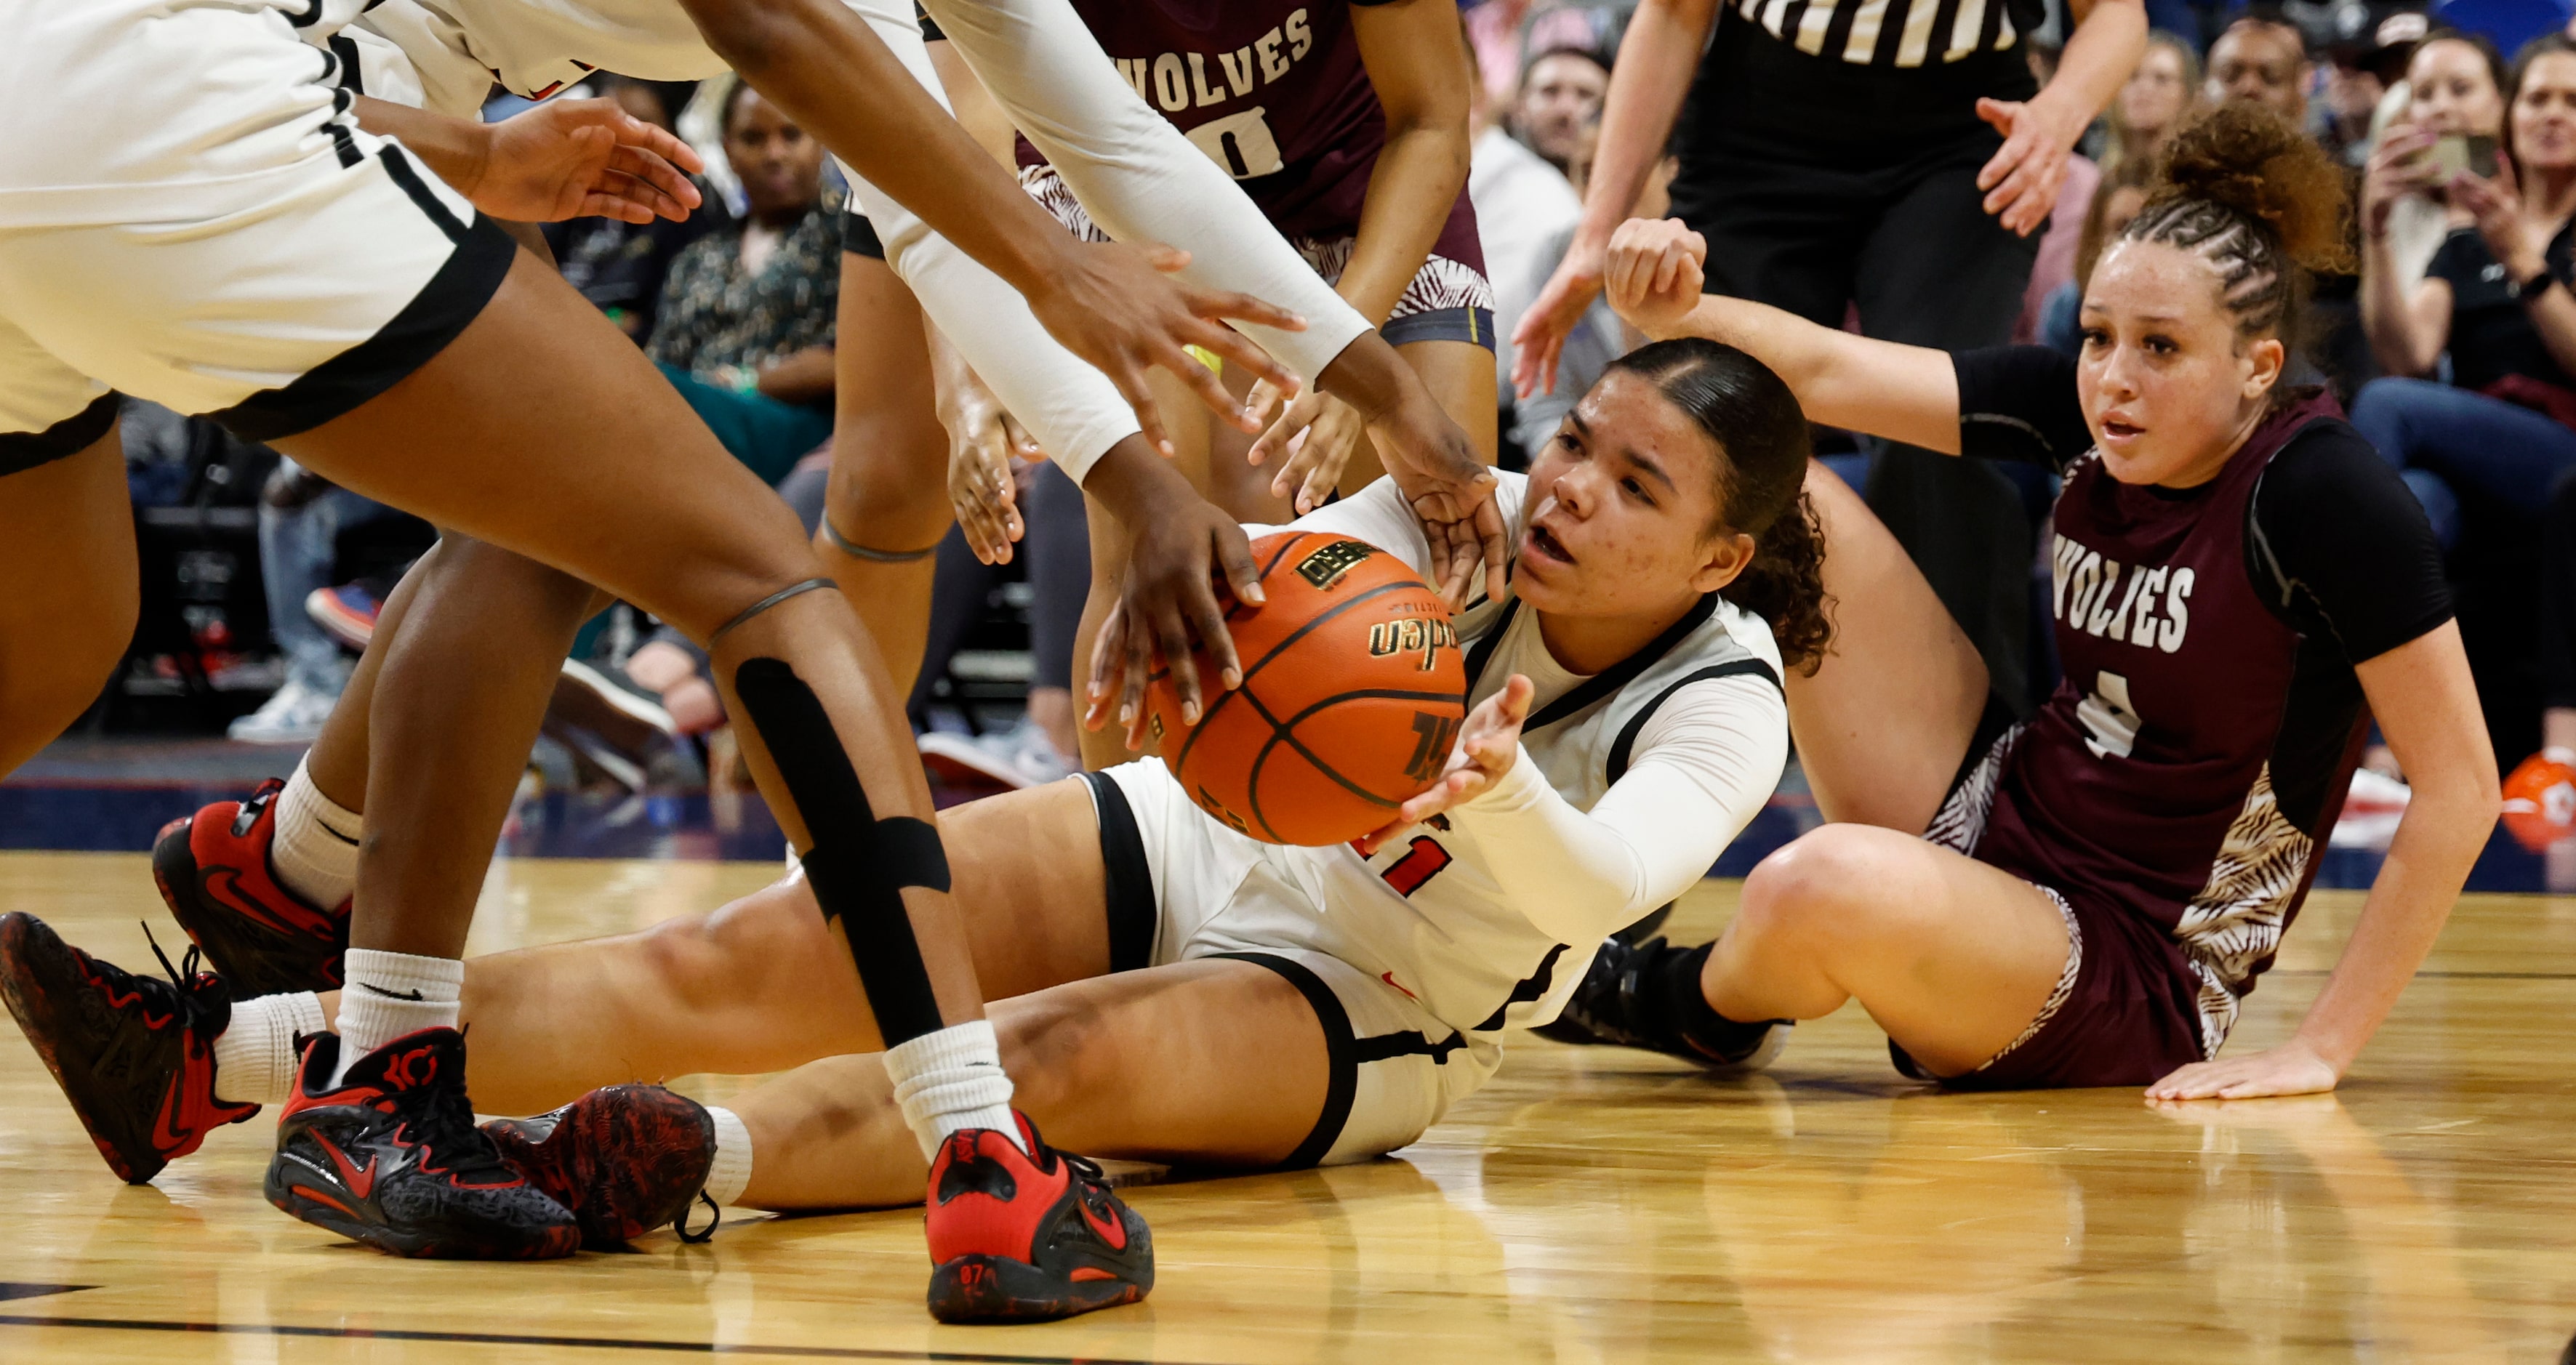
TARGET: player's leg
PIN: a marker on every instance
(1212, 1061)
(888, 501)
(67, 547)
(1883, 725)
(1955, 959)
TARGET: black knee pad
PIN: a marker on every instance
(859, 864)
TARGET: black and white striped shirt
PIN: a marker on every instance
(1898, 33)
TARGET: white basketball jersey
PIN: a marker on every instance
(1425, 914)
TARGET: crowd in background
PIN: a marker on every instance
(2452, 345)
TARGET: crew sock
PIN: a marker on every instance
(952, 1080)
(256, 1053)
(315, 851)
(1679, 1007)
(730, 1172)
(390, 995)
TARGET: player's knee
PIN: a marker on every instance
(889, 489)
(1813, 888)
(728, 955)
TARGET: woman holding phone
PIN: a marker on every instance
(2495, 297)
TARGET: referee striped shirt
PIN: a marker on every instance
(1897, 33)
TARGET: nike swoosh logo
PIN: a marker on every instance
(360, 1182)
(372, 989)
(1112, 1233)
(1389, 978)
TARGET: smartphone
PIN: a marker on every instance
(2454, 153)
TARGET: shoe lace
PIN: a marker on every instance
(188, 983)
(715, 1219)
(439, 1118)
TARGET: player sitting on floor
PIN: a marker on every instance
(1194, 995)
(2086, 897)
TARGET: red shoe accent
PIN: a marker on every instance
(1021, 1232)
(232, 857)
(214, 872)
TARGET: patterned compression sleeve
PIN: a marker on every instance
(1135, 174)
(1706, 763)
(1072, 409)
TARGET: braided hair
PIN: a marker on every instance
(2261, 203)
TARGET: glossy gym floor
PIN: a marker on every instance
(1589, 1206)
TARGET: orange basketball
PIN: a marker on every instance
(1352, 694)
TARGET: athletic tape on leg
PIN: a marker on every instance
(859, 864)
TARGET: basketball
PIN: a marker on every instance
(1352, 694)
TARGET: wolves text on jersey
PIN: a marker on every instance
(2143, 605)
(1175, 81)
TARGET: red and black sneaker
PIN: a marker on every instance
(212, 868)
(1021, 1238)
(133, 1054)
(625, 1159)
(391, 1157)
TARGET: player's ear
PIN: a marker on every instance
(1725, 557)
(2264, 361)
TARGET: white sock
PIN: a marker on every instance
(731, 1170)
(255, 1055)
(393, 994)
(950, 1080)
(315, 851)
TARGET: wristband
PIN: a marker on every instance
(2525, 291)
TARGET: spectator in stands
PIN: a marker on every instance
(1525, 209)
(745, 328)
(1501, 34)
(2151, 105)
(2493, 301)
(301, 516)
(1558, 112)
(2263, 60)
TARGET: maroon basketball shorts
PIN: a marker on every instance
(2124, 1011)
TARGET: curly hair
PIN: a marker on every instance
(1762, 445)
(2261, 203)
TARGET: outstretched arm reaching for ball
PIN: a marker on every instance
(564, 159)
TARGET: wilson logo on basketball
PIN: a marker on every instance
(1413, 636)
(1325, 567)
(1433, 734)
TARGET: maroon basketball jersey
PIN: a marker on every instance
(2191, 764)
(1273, 91)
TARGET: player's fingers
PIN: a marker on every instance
(1108, 652)
(1203, 382)
(1171, 632)
(1489, 529)
(1234, 557)
(1129, 378)
(1140, 666)
(656, 171)
(1218, 303)
(1233, 346)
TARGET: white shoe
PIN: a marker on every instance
(293, 714)
(1017, 758)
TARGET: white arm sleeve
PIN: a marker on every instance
(1072, 409)
(1137, 176)
(1704, 765)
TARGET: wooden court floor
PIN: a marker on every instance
(1589, 1206)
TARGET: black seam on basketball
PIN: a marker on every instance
(1285, 546)
(1279, 735)
(1223, 695)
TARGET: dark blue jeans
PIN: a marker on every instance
(2450, 443)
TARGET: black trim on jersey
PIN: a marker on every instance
(1130, 903)
(1531, 989)
(344, 144)
(1386, 1047)
(454, 297)
(1339, 1048)
(1637, 723)
(859, 236)
(398, 166)
(312, 12)
(351, 78)
(1600, 684)
(21, 451)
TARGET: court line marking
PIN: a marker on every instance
(500, 1339)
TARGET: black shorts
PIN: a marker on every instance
(859, 236)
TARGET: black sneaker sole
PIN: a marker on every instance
(1000, 1289)
(661, 1144)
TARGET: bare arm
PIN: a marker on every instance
(2427, 707)
(1420, 73)
(1647, 85)
(1905, 393)
(2408, 322)
(566, 159)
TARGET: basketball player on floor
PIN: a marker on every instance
(1182, 992)
(1347, 123)
(2241, 584)
(408, 375)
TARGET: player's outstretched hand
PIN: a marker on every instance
(582, 159)
(1313, 469)
(983, 438)
(1488, 745)
(1167, 600)
(2293, 1068)
(1655, 273)
(2022, 178)
(1539, 339)
(1118, 308)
